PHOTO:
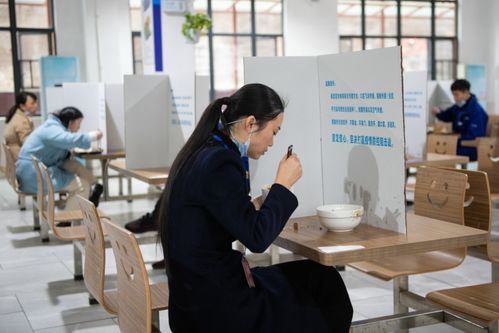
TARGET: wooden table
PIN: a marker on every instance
(305, 235)
(433, 159)
(154, 176)
(104, 158)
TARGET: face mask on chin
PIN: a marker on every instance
(242, 147)
(461, 104)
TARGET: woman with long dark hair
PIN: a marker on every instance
(19, 124)
(51, 144)
(206, 206)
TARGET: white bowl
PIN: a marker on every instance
(340, 218)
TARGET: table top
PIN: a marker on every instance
(305, 235)
(433, 159)
(153, 176)
(101, 156)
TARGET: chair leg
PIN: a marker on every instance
(21, 201)
(78, 262)
(36, 216)
(495, 271)
(129, 188)
(494, 328)
(155, 321)
(400, 284)
(44, 231)
(92, 300)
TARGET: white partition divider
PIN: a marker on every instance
(295, 80)
(54, 99)
(345, 118)
(415, 114)
(115, 117)
(90, 99)
(202, 95)
(147, 118)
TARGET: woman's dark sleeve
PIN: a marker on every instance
(225, 196)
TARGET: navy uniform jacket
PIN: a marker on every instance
(469, 121)
(209, 209)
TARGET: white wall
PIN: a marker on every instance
(70, 34)
(98, 32)
(478, 42)
(310, 27)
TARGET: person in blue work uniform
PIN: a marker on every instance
(51, 144)
(206, 206)
(468, 118)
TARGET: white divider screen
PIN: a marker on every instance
(115, 114)
(345, 119)
(90, 99)
(147, 121)
(415, 113)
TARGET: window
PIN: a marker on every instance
(26, 34)
(425, 29)
(136, 26)
(241, 28)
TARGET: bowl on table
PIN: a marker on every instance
(340, 217)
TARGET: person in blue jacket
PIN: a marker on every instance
(206, 206)
(51, 144)
(468, 118)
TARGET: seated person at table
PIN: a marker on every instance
(51, 144)
(18, 122)
(206, 206)
(468, 118)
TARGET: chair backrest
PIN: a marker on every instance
(442, 144)
(439, 194)
(493, 126)
(488, 160)
(95, 254)
(10, 167)
(40, 188)
(134, 294)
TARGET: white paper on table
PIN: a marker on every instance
(340, 248)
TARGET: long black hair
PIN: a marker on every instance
(68, 114)
(256, 100)
(21, 99)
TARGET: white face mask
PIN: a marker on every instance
(461, 104)
(242, 147)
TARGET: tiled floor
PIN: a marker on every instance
(38, 293)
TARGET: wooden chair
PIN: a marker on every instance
(488, 161)
(50, 218)
(95, 258)
(442, 144)
(439, 194)
(10, 174)
(138, 301)
(477, 206)
(493, 126)
(478, 303)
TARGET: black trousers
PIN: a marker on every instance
(325, 286)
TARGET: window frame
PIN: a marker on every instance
(433, 38)
(15, 33)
